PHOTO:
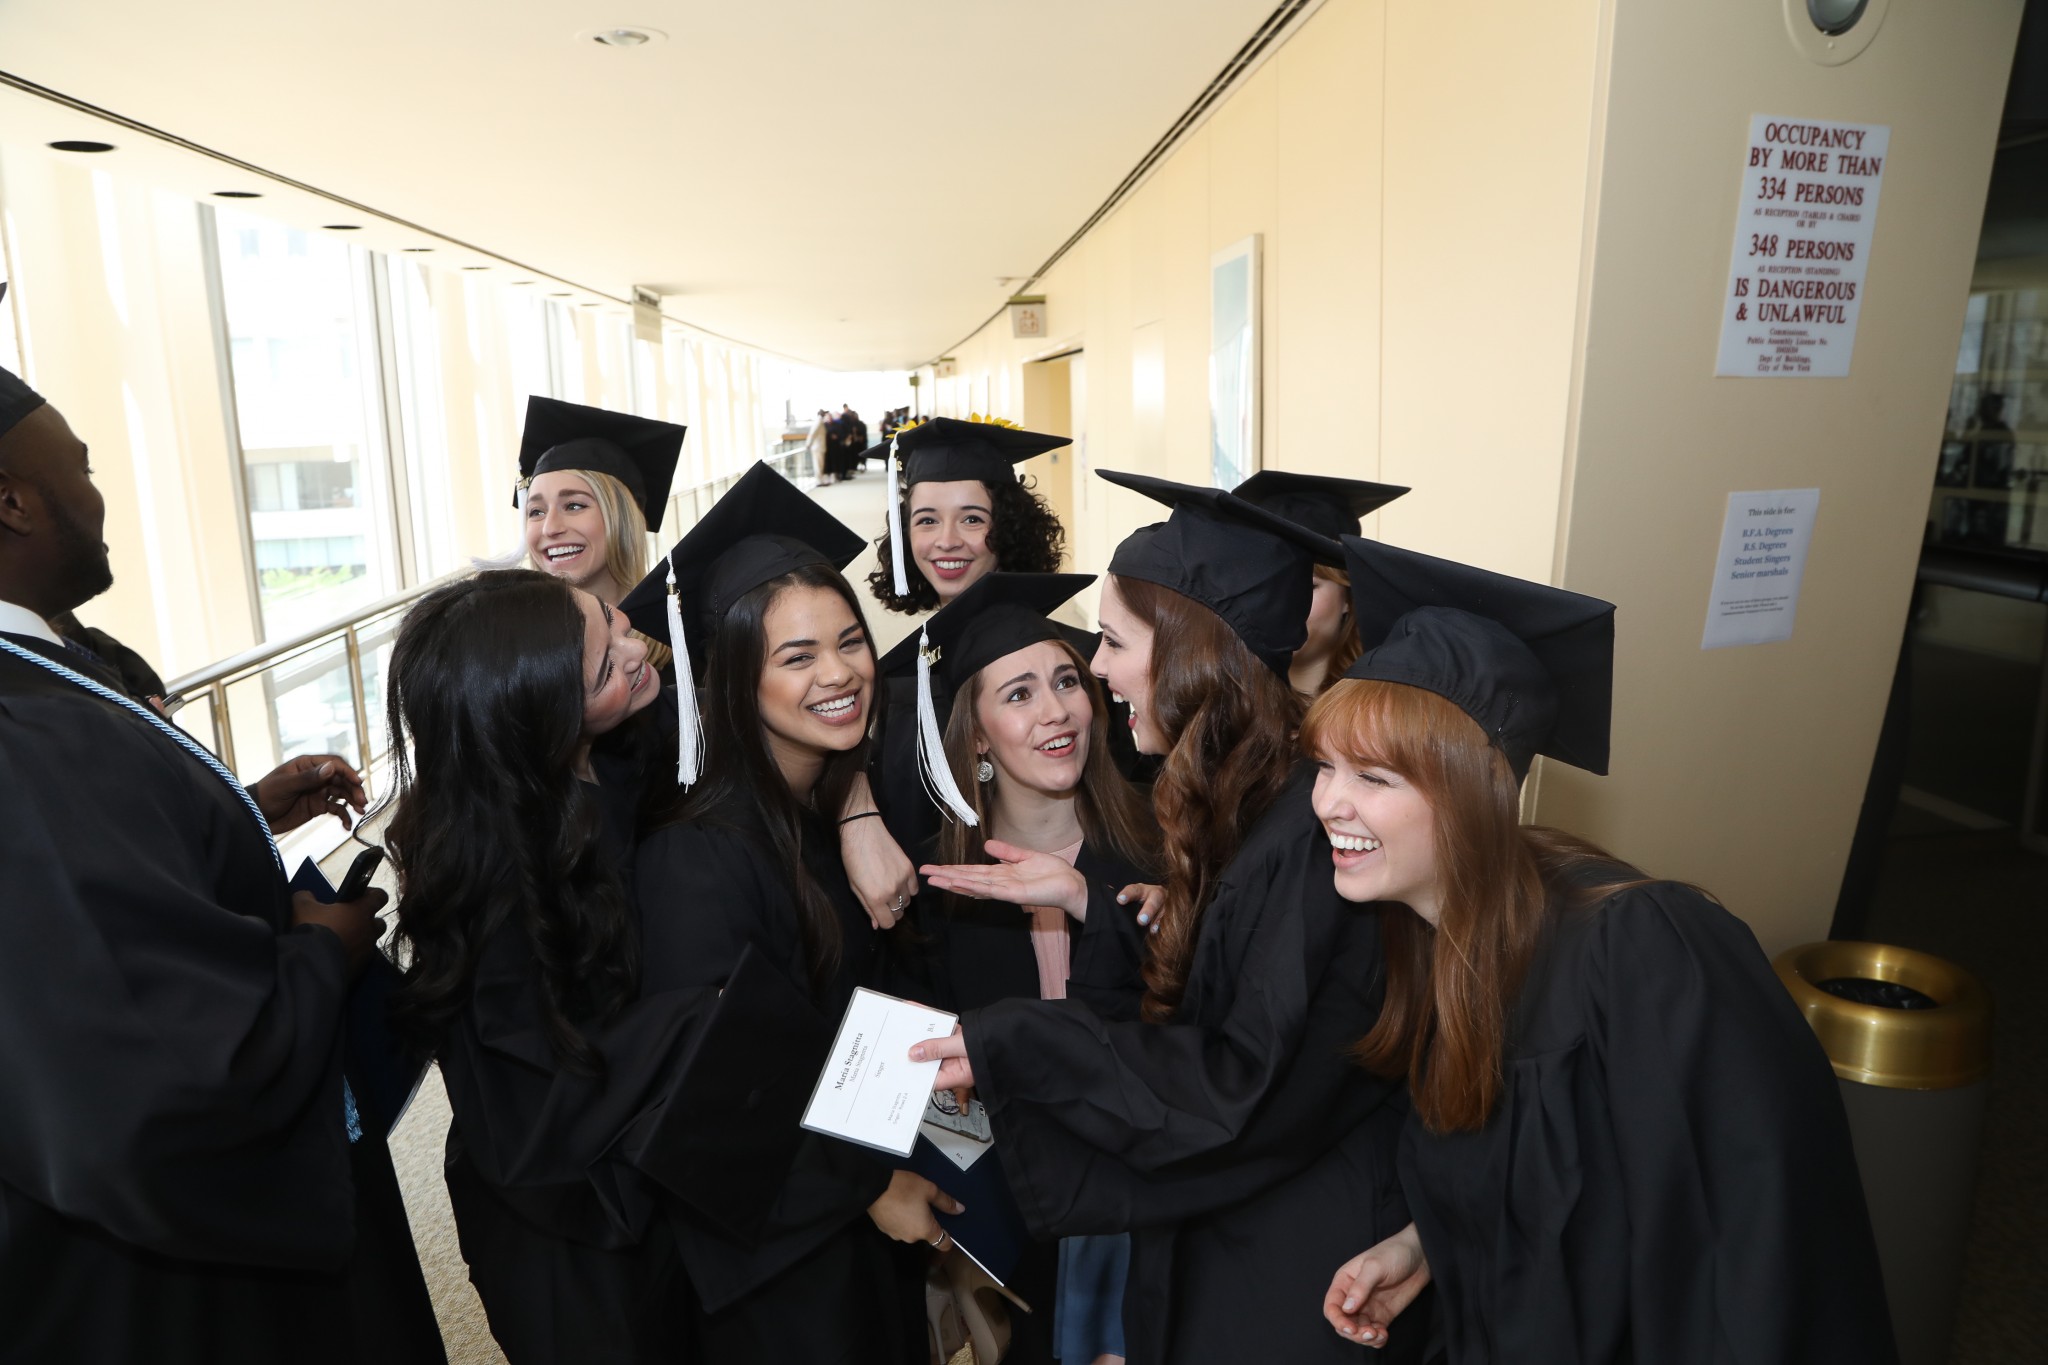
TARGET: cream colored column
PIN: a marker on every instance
(1744, 768)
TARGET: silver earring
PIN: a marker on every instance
(984, 771)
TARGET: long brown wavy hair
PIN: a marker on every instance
(1229, 723)
(1450, 989)
(1113, 813)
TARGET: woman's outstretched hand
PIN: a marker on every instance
(1370, 1290)
(955, 1072)
(1022, 876)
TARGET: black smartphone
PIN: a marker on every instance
(359, 873)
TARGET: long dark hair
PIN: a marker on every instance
(1230, 722)
(1113, 813)
(1449, 990)
(740, 772)
(491, 829)
(1024, 534)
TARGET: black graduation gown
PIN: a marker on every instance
(174, 1171)
(820, 1282)
(392, 1314)
(1246, 1153)
(1668, 1176)
(559, 1226)
(977, 952)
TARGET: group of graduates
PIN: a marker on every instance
(1294, 1043)
(838, 445)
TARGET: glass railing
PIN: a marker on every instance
(322, 691)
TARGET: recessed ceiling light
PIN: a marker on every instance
(625, 36)
(586, 305)
(418, 249)
(482, 267)
(236, 194)
(342, 227)
(517, 283)
(78, 145)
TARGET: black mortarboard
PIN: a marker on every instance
(760, 529)
(639, 452)
(17, 400)
(948, 450)
(1532, 664)
(999, 613)
(1328, 506)
(1248, 565)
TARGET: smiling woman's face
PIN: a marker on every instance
(818, 679)
(948, 526)
(1033, 716)
(1382, 834)
(565, 533)
(616, 679)
(1124, 663)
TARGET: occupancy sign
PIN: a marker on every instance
(1802, 246)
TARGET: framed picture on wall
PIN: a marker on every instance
(1234, 362)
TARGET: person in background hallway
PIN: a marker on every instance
(1026, 744)
(1626, 1143)
(746, 862)
(1330, 507)
(1218, 1118)
(524, 966)
(177, 1177)
(818, 445)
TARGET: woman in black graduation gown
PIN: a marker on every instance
(1024, 749)
(1627, 1146)
(1227, 1127)
(744, 863)
(523, 977)
(1330, 507)
(963, 513)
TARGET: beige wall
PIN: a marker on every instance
(1744, 768)
(1494, 242)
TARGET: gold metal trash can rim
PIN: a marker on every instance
(1930, 1049)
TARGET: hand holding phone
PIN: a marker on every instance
(359, 873)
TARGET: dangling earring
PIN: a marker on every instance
(984, 772)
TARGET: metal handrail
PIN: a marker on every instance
(215, 679)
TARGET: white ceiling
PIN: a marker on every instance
(842, 181)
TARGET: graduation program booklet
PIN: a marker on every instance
(870, 1091)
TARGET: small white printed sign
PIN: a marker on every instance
(1755, 599)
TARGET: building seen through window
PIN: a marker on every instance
(308, 421)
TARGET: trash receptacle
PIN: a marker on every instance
(1910, 1039)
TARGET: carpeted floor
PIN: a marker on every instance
(1981, 901)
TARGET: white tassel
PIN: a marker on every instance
(896, 524)
(518, 554)
(689, 725)
(931, 750)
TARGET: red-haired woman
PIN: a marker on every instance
(1226, 1128)
(1626, 1145)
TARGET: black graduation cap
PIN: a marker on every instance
(639, 452)
(999, 613)
(949, 450)
(1328, 506)
(762, 528)
(17, 400)
(1248, 565)
(1533, 664)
